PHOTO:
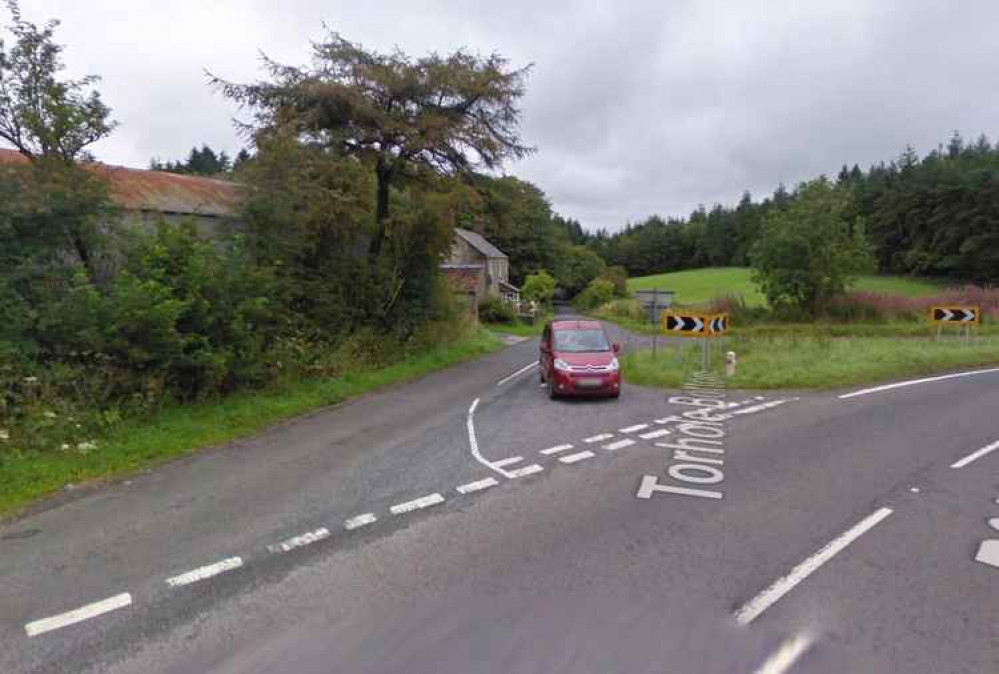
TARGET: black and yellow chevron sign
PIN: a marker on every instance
(688, 324)
(956, 314)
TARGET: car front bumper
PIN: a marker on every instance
(582, 384)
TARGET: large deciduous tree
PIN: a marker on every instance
(41, 114)
(810, 252)
(51, 205)
(400, 115)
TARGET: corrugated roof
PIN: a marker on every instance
(479, 243)
(158, 191)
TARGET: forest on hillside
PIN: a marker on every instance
(936, 215)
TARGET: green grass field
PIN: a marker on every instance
(696, 286)
(812, 362)
(184, 429)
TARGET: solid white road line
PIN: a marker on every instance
(205, 572)
(93, 610)
(473, 443)
(914, 382)
(783, 659)
(525, 471)
(477, 486)
(417, 504)
(508, 461)
(598, 438)
(632, 429)
(782, 586)
(359, 521)
(974, 456)
(517, 373)
(655, 434)
(556, 449)
(619, 444)
(299, 541)
(578, 456)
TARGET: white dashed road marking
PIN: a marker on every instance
(975, 456)
(556, 449)
(652, 435)
(299, 541)
(205, 572)
(619, 444)
(785, 584)
(525, 471)
(473, 443)
(763, 406)
(360, 521)
(783, 659)
(93, 610)
(988, 553)
(417, 504)
(508, 461)
(477, 486)
(579, 456)
(598, 438)
(632, 429)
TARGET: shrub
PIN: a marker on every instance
(618, 276)
(539, 287)
(493, 309)
(597, 293)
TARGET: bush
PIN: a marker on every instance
(626, 308)
(618, 276)
(493, 309)
(597, 293)
(539, 287)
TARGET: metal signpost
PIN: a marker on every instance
(702, 326)
(654, 302)
(963, 316)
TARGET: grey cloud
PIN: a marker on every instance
(636, 107)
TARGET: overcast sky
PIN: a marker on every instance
(635, 107)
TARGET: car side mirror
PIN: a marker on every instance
(616, 347)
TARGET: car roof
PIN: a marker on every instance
(577, 325)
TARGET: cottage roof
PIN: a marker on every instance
(159, 191)
(479, 243)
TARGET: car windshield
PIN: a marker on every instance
(581, 341)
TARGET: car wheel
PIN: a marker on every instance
(552, 393)
(541, 374)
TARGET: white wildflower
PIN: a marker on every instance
(86, 446)
(31, 380)
(50, 415)
(4, 434)
(64, 447)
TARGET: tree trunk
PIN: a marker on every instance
(384, 178)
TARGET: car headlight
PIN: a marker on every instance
(561, 365)
(614, 365)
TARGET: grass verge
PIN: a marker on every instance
(813, 361)
(184, 429)
(697, 286)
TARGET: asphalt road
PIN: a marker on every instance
(417, 530)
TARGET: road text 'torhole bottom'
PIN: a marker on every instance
(698, 448)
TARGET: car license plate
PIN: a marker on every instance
(589, 382)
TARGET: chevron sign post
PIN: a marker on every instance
(965, 317)
(689, 324)
(676, 324)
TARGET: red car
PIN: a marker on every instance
(578, 359)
